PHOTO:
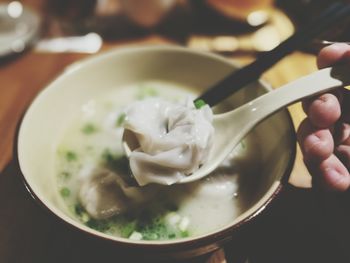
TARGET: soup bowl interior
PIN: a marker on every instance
(270, 146)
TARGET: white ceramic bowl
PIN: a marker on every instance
(270, 163)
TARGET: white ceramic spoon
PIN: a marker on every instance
(231, 127)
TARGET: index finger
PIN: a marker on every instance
(333, 54)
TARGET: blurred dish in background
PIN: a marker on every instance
(263, 39)
(147, 13)
(253, 12)
(119, 19)
(19, 28)
(72, 17)
(176, 20)
(199, 24)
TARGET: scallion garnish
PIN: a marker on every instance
(199, 104)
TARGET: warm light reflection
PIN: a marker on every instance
(224, 43)
(257, 18)
(266, 38)
(15, 9)
(90, 43)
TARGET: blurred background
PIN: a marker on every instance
(39, 38)
(223, 26)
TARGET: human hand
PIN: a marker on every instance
(324, 136)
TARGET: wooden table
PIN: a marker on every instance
(27, 233)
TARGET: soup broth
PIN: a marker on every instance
(92, 144)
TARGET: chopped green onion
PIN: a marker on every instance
(89, 128)
(199, 104)
(185, 233)
(65, 192)
(128, 229)
(171, 236)
(150, 236)
(71, 156)
(121, 119)
(99, 225)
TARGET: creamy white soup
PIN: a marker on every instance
(93, 176)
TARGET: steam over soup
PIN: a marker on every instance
(92, 171)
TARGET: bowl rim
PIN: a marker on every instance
(201, 240)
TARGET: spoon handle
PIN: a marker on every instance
(310, 85)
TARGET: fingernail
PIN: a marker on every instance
(339, 46)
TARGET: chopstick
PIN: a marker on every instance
(242, 77)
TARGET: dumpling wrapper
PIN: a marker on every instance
(104, 194)
(174, 139)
